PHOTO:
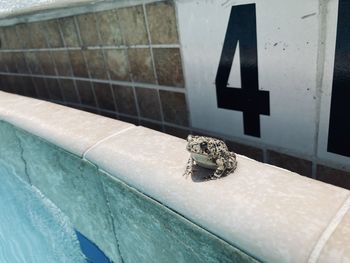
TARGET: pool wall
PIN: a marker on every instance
(123, 187)
(154, 63)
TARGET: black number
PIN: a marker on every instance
(339, 122)
(249, 99)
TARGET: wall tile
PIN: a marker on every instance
(109, 28)
(11, 40)
(10, 83)
(333, 176)
(132, 24)
(28, 86)
(24, 33)
(8, 61)
(3, 62)
(96, 64)
(62, 62)
(37, 33)
(33, 63)
(104, 96)
(140, 61)
(181, 133)
(78, 64)
(249, 151)
(41, 88)
(125, 99)
(86, 93)
(162, 22)
(117, 64)
(18, 58)
(294, 164)
(168, 66)
(53, 34)
(88, 31)
(68, 91)
(46, 62)
(69, 31)
(129, 120)
(109, 114)
(54, 90)
(174, 107)
(148, 102)
(151, 125)
(3, 44)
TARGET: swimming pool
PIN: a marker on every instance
(32, 229)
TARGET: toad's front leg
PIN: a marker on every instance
(189, 167)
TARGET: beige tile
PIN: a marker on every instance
(69, 31)
(337, 249)
(86, 93)
(168, 66)
(109, 28)
(40, 87)
(333, 176)
(62, 62)
(54, 89)
(104, 96)
(174, 107)
(125, 99)
(3, 62)
(88, 31)
(132, 25)
(33, 63)
(21, 64)
(117, 64)
(37, 33)
(140, 61)
(79, 66)
(11, 39)
(46, 62)
(148, 102)
(70, 129)
(294, 164)
(96, 64)
(162, 22)
(53, 34)
(69, 92)
(253, 208)
(24, 35)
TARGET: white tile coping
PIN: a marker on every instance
(272, 214)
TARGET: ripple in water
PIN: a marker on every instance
(32, 229)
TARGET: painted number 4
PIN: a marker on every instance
(248, 99)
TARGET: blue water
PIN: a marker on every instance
(32, 229)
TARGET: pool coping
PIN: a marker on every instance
(159, 161)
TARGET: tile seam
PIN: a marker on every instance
(329, 230)
(105, 139)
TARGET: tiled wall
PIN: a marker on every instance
(123, 63)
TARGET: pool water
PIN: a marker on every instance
(32, 229)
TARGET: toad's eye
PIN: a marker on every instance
(203, 145)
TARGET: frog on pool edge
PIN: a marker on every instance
(210, 153)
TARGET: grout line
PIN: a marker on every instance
(329, 230)
(105, 139)
(153, 64)
(89, 48)
(150, 43)
(113, 82)
(182, 64)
